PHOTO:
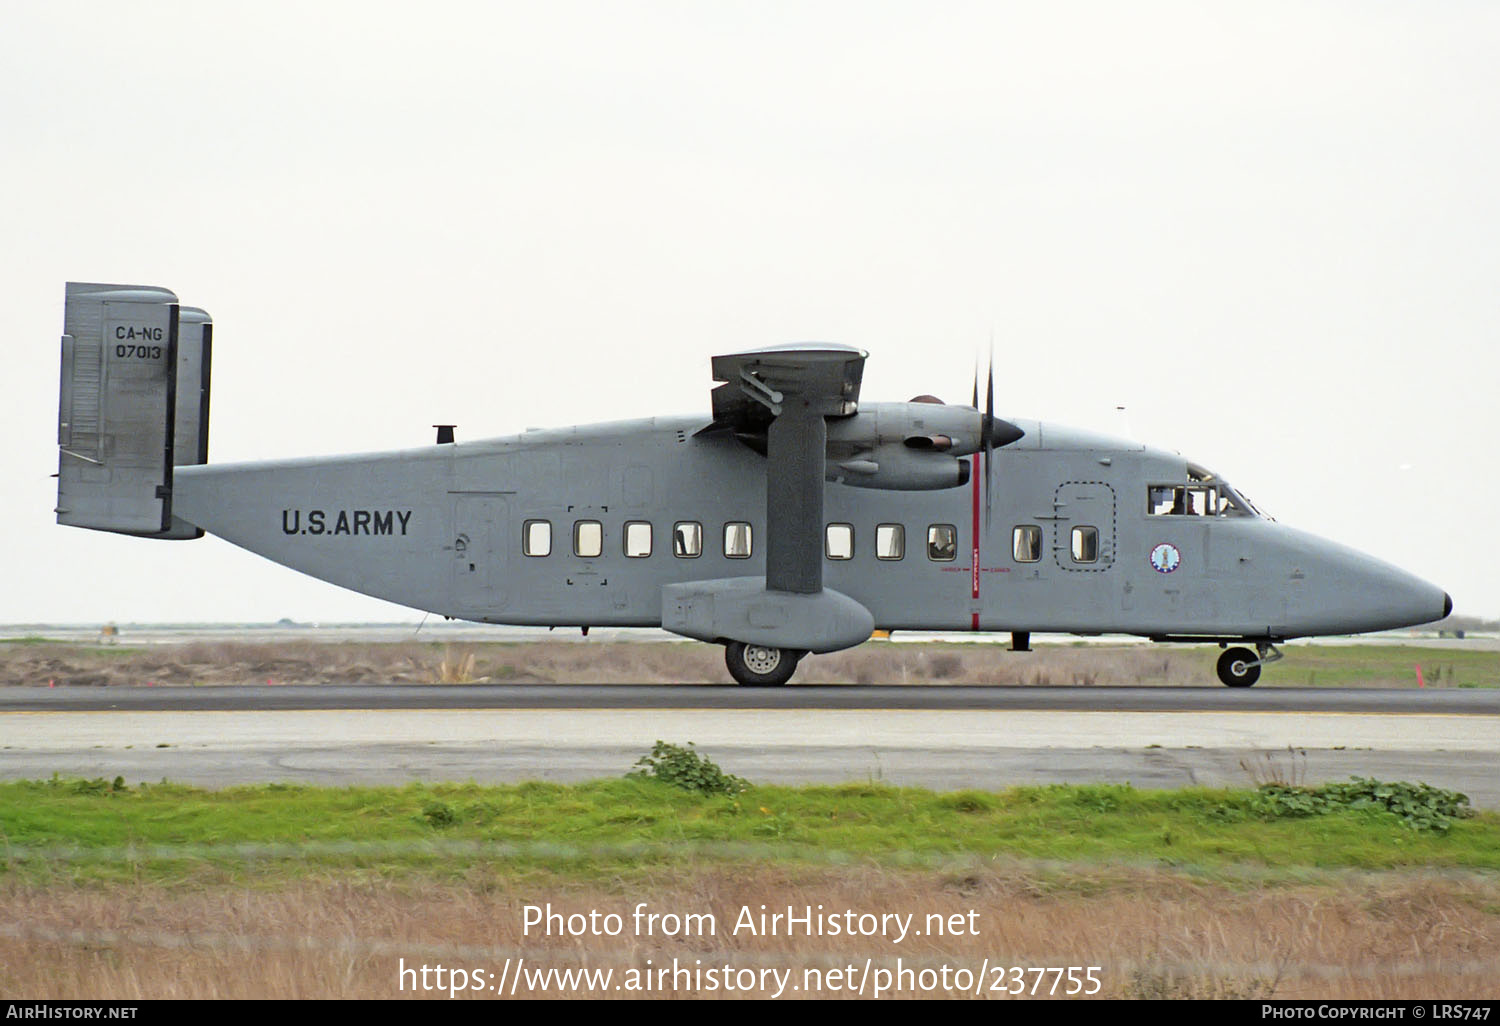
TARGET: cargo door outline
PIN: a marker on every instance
(1083, 504)
(479, 552)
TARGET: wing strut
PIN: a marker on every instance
(785, 392)
(796, 442)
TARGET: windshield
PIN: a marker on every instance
(1240, 501)
(1206, 496)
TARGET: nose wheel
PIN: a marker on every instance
(1240, 667)
(760, 666)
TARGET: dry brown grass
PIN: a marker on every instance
(1155, 933)
(296, 662)
(1101, 665)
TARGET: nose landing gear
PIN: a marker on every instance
(1240, 667)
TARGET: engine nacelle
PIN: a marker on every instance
(905, 447)
(928, 427)
(899, 468)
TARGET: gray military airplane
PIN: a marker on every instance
(794, 520)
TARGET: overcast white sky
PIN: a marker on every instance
(1268, 229)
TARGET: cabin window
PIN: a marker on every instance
(687, 539)
(737, 540)
(536, 537)
(1085, 545)
(838, 541)
(637, 539)
(588, 538)
(942, 542)
(1183, 501)
(1026, 543)
(890, 541)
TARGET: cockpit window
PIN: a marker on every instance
(1196, 500)
(1183, 501)
(1239, 506)
(1227, 502)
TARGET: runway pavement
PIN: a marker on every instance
(943, 737)
(690, 696)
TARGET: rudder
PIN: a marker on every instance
(132, 404)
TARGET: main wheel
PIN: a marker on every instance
(760, 665)
(1239, 668)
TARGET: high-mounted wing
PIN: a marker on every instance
(787, 391)
(757, 384)
(782, 395)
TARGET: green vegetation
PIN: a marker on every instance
(80, 830)
(685, 768)
(1382, 666)
(1419, 806)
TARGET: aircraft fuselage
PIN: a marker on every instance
(1072, 538)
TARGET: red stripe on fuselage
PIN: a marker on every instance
(974, 538)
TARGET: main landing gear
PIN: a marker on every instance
(760, 665)
(1240, 667)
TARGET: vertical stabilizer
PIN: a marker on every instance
(133, 404)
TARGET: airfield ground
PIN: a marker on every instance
(291, 892)
(1158, 933)
(167, 892)
(39, 661)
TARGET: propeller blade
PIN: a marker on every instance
(988, 434)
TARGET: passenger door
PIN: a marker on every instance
(479, 552)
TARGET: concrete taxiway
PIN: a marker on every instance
(931, 736)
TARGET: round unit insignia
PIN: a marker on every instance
(1165, 557)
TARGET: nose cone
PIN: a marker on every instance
(1369, 595)
(1344, 591)
(1393, 598)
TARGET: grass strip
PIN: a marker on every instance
(77, 830)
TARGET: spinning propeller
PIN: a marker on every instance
(993, 433)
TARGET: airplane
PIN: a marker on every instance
(795, 519)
